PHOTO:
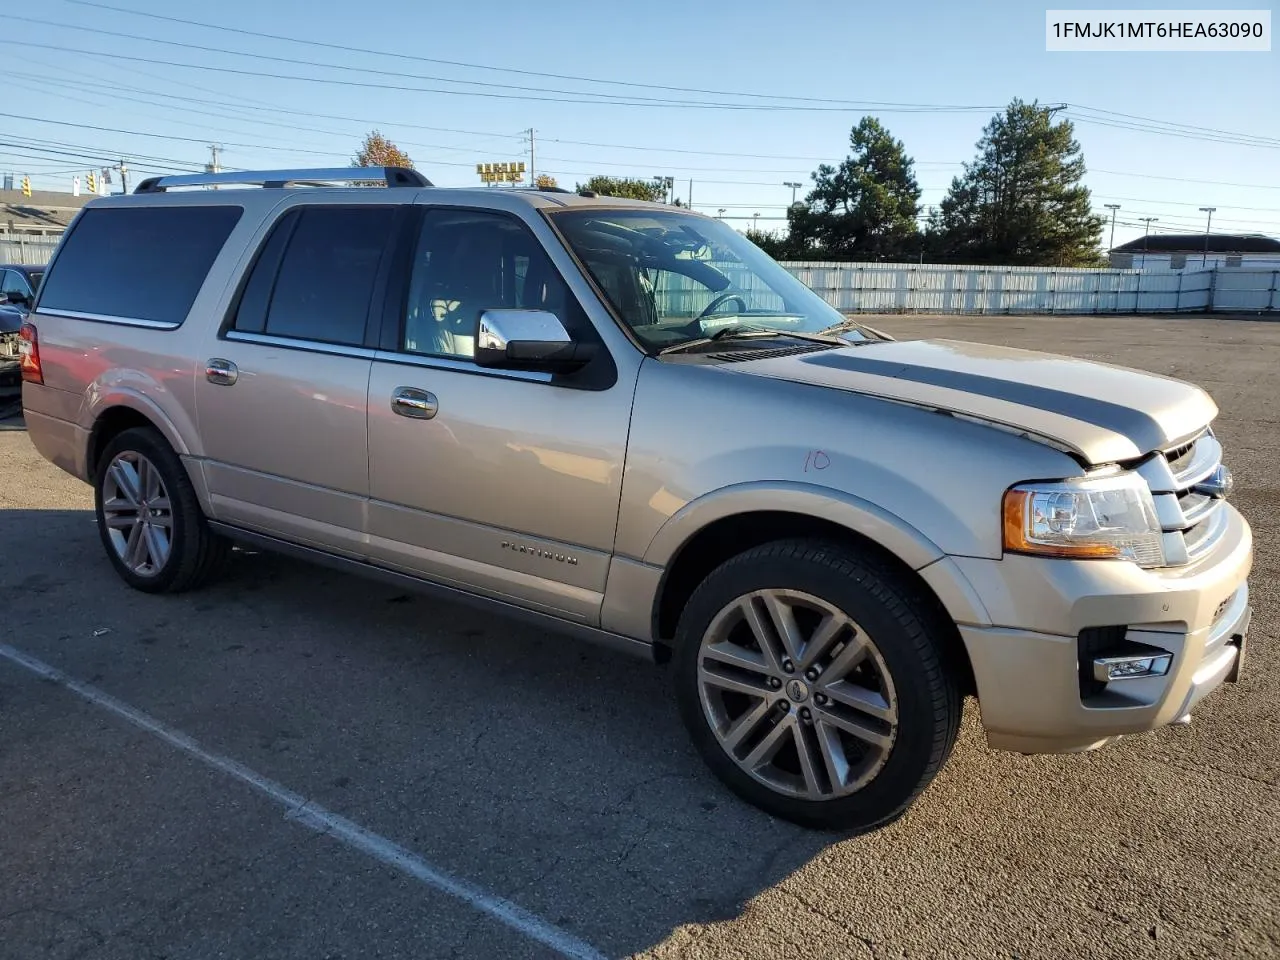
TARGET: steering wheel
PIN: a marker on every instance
(723, 298)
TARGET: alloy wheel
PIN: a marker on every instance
(138, 513)
(797, 694)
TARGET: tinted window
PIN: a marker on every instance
(11, 281)
(467, 262)
(326, 279)
(251, 312)
(142, 263)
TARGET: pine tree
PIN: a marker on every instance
(1022, 201)
(866, 208)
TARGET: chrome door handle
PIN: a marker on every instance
(412, 402)
(220, 371)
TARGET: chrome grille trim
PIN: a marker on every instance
(1192, 521)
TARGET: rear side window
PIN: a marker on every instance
(327, 260)
(143, 263)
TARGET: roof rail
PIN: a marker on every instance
(390, 176)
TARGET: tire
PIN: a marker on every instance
(195, 554)
(885, 658)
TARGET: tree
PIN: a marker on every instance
(378, 151)
(866, 208)
(631, 189)
(544, 181)
(1022, 200)
(774, 245)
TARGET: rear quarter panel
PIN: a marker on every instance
(90, 366)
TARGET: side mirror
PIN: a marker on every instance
(528, 340)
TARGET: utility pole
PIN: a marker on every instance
(691, 193)
(794, 187)
(1148, 221)
(1113, 207)
(1204, 258)
(533, 173)
(124, 177)
(213, 166)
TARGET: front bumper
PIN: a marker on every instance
(1028, 665)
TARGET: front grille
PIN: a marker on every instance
(1192, 518)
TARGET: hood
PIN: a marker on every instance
(1100, 412)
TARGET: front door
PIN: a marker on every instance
(281, 402)
(506, 483)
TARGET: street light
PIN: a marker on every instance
(720, 213)
(1205, 256)
(1113, 207)
(794, 187)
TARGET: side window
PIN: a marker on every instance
(327, 260)
(11, 283)
(469, 261)
(137, 262)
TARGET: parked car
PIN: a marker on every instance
(623, 421)
(18, 284)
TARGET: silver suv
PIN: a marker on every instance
(623, 420)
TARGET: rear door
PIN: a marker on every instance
(281, 395)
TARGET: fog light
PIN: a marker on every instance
(1107, 669)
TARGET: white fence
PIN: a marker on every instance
(33, 251)
(934, 288)
(937, 288)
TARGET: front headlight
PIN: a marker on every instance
(1109, 517)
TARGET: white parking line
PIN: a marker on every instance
(317, 818)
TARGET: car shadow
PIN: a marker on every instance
(551, 772)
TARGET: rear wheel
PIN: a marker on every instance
(149, 517)
(813, 685)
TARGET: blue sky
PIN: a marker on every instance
(949, 54)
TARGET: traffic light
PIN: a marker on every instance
(92, 182)
(26, 185)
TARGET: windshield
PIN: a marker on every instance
(675, 278)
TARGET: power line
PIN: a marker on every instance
(633, 102)
(513, 70)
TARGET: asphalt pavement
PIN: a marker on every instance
(299, 764)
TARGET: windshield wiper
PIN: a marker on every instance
(739, 331)
(850, 324)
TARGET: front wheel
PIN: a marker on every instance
(814, 686)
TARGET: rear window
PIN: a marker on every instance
(137, 263)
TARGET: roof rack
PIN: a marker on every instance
(390, 176)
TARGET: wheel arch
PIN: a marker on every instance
(114, 413)
(706, 537)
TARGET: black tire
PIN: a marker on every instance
(902, 627)
(197, 554)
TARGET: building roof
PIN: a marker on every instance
(43, 209)
(1195, 243)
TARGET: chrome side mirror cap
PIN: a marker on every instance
(528, 340)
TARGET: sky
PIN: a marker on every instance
(1162, 134)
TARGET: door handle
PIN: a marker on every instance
(220, 371)
(415, 403)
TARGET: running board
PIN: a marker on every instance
(360, 568)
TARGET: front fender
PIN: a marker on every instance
(861, 516)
